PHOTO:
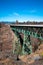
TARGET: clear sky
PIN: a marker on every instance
(21, 10)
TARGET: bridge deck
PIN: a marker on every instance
(26, 25)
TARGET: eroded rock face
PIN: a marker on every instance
(6, 38)
(35, 43)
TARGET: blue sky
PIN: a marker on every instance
(21, 10)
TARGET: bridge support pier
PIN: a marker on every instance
(23, 52)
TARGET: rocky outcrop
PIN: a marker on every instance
(35, 43)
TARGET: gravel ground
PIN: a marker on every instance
(38, 62)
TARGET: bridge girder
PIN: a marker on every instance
(31, 33)
(28, 32)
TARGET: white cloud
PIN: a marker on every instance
(13, 14)
(17, 14)
(10, 17)
(32, 11)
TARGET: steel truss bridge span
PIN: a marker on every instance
(35, 31)
(32, 30)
